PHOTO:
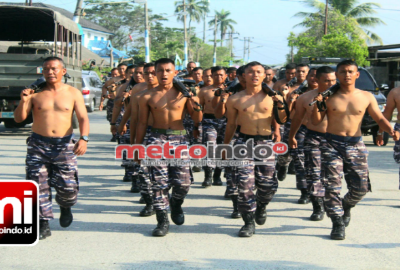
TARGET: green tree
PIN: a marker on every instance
(223, 23)
(361, 13)
(342, 40)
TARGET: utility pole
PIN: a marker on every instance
(146, 34)
(215, 41)
(166, 41)
(244, 51)
(78, 11)
(204, 26)
(248, 49)
(185, 44)
(326, 18)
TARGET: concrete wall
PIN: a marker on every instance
(89, 34)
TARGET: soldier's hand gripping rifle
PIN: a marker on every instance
(40, 83)
(327, 93)
(131, 84)
(270, 92)
(302, 88)
(291, 82)
(186, 87)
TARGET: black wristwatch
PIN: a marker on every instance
(113, 124)
(85, 138)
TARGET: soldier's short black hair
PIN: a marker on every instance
(302, 65)
(164, 61)
(347, 63)
(240, 71)
(291, 66)
(122, 64)
(253, 64)
(231, 69)
(324, 70)
(130, 67)
(54, 58)
(114, 69)
(311, 69)
(191, 62)
(197, 68)
(151, 64)
(217, 68)
(207, 69)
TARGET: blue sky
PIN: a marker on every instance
(268, 21)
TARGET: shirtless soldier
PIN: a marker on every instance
(211, 124)
(344, 150)
(253, 108)
(270, 73)
(290, 73)
(167, 106)
(392, 102)
(51, 157)
(132, 114)
(314, 139)
(189, 67)
(111, 87)
(207, 77)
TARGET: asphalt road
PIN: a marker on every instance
(107, 232)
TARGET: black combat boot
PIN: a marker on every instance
(148, 210)
(261, 213)
(135, 186)
(338, 229)
(141, 200)
(305, 197)
(162, 223)
(318, 208)
(235, 213)
(207, 177)
(127, 176)
(226, 195)
(177, 215)
(113, 138)
(346, 215)
(66, 217)
(249, 227)
(217, 177)
(291, 169)
(44, 229)
(281, 172)
(196, 169)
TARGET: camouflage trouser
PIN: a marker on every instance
(396, 149)
(231, 185)
(144, 178)
(210, 133)
(314, 171)
(221, 130)
(109, 108)
(284, 160)
(298, 158)
(344, 155)
(166, 177)
(260, 175)
(51, 163)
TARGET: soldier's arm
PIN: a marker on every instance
(316, 116)
(298, 117)
(83, 120)
(194, 110)
(231, 114)
(376, 114)
(390, 104)
(25, 106)
(144, 111)
(220, 109)
(134, 117)
(117, 106)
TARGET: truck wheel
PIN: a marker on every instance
(91, 106)
(385, 137)
(75, 123)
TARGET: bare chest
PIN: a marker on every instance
(254, 105)
(53, 103)
(168, 102)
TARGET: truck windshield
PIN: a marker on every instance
(365, 82)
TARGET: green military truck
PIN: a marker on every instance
(28, 35)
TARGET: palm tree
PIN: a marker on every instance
(223, 22)
(349, 8)
(195, 9)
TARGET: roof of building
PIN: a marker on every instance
(103, 48)
(83, 22)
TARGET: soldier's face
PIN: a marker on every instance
(165, 73)
(290, 74)
(269, 75)
(198, 75)
(138, 75)
(190, 67)
(122, 70)
(53, 71)
(232, 75)
(301, 73)
(219, 77)
(254, 75)
(347, 75)
(150, 75)
(114, 74)
(326, 80)
(312, 79)
(129, 73)
(207, 78)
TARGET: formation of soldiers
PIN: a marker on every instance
(227, 106)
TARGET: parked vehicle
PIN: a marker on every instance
(31, 35)
(91, 89)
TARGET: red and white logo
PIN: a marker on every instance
(19, 213)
